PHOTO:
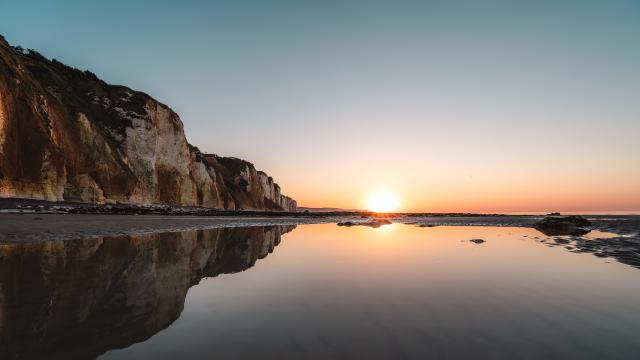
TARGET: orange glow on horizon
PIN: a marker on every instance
(484, 200)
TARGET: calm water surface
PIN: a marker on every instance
(319, 291)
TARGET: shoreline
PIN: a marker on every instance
(35, 227)
(43, 226)
(30, 206)
(28, 220)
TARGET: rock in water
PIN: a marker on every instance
(374, 223)
(563, 225)
(66, 135)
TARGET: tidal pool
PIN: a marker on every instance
(318, 292)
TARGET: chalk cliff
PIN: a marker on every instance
(67, 135)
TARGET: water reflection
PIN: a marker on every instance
(78, 299)
(404, 292)
(624, 249)
(328, 292)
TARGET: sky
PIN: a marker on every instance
(480, 106)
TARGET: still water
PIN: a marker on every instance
(317, 291)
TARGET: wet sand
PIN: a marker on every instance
(39, 227)
(42, 226)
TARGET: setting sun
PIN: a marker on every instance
(382, 202)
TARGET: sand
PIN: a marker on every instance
(38, 227)
(42, 226)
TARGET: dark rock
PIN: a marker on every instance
(477, 241)
(562, 241)
(563, 225)
(374, 223)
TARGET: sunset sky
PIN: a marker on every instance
(483, 106)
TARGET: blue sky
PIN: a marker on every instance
(449, 104)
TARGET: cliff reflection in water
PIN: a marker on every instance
(78, 299)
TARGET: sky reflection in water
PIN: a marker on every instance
(407, 292)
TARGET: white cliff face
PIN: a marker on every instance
(205, 187)
(266, 183)
(66, 135)
(271, 192)
(139, 145)
(172, 156)
(172, 172)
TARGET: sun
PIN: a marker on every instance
(382, 202)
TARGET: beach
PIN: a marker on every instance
(36, 226)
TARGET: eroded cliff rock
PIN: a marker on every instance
(67, 135)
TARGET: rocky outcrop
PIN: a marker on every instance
(373, 223)
(563, 225)
(66, 135)
(76, 299)
(246, 186)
